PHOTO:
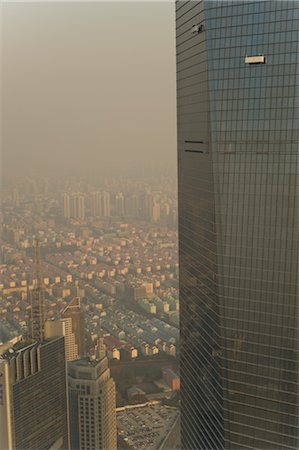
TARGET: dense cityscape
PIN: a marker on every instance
(140, 308)
(112, 248)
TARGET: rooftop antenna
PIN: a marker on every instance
(100, 347)
(37, 264)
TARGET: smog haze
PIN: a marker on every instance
(88, 87)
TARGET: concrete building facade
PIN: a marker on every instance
(92, 400)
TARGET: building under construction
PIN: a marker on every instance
(33, 394)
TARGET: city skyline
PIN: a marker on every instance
(109, 274)
(149, 225)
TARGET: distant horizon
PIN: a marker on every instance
(92, 176)
(88, 87)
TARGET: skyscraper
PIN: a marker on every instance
(78, 206)
(33, 396)
(146, 202)
(74, 206)
(104, 204)
(155, 212)
(132, 205)
(237, 103)
(92, 403)
(119, 204)
(95, 203)
(63, 327)
(74, 312)
(66, 206)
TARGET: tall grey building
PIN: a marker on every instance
(33, 396)
(92, 403)
(237, 68)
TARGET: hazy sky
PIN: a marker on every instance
(88, 85)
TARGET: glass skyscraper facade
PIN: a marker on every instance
(33, 396)
(237, 69)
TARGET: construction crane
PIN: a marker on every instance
(37, 300)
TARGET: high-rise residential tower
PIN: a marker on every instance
(237, 69)
(95, 203)
(74, 205)
(33, 396)
(105, 204)
(119, 204)
(92, 403)
(67, 206)
(132, 205)
(78, 206)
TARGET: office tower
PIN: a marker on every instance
(37, 301)
(74, 312)
(66, 206)
(238, 169)
(92, 403)
(63, 327)
(33, 396)
(104, 204)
